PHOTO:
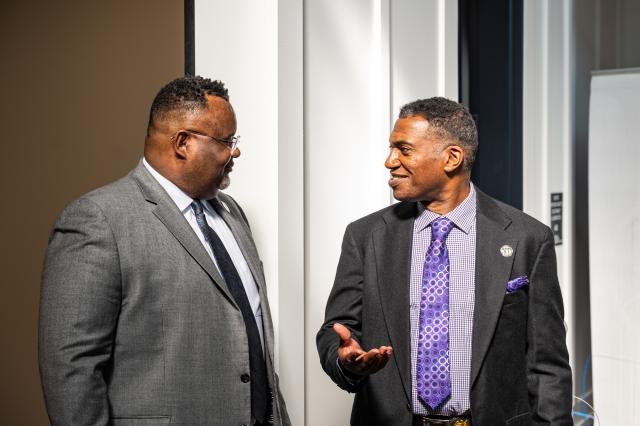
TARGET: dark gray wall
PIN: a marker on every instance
(490, 68)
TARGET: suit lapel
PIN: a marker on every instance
(491, 276)
(166, 210)
(244, 240)
(392, 246)
(250, 253)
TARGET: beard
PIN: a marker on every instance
(225, 182)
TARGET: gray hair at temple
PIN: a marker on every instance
(451, 121)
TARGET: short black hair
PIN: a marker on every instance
(450, 117)
(188, 93)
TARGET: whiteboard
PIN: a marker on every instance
(614, 244)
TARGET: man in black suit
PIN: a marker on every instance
(456, 294)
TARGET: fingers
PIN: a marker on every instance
(373, 360)
(368, 357)
(349, 349)
(343, 332)
(356, 360)
(381, 352)
(387, 350)
(384, 357)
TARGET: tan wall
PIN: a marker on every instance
(77, 79)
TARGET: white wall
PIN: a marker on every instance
(256, 49)
(614, 229)
(316, 86)
(547, 129)
(344, 153)
(424, 51)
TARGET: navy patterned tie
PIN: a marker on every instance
(433, 380)
(257, 367)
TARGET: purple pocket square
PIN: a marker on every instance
(517, 283)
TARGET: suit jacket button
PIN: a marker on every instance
(245, 378)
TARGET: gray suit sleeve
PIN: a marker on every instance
(344, 306)
(79, 305)
(548, 370)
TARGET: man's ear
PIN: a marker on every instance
(455, 158)
(180, 143)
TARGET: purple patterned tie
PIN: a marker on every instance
(433, 381)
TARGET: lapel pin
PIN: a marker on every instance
(506, 251)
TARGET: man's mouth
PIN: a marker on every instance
(395, 180)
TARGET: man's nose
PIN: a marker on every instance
(236, 153)
(392, 160)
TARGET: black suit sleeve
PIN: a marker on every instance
(344, 306)
(548, 370)
(79, 306)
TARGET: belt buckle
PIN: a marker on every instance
(462, 422)
(434, 422)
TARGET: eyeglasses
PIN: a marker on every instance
(230, 143)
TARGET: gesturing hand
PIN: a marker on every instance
(354, 359)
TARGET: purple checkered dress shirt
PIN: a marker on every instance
(461, 243)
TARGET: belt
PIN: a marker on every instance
(441, 421)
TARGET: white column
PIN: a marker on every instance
(424, 51)
(345, 148)
(547, 129)
(290, 230)
(255, 47)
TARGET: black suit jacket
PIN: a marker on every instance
(520, 373)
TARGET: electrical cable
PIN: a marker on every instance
(586, 415)
(585, 371)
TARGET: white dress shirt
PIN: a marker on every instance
(183, 202)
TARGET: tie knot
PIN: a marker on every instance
(440, 228)
(197, 207)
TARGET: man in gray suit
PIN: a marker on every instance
(446, 307)
(154, 308)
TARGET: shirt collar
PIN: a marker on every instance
(463, 216)
(179, 197)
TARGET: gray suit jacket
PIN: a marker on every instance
(137, 327)
(520, 373)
